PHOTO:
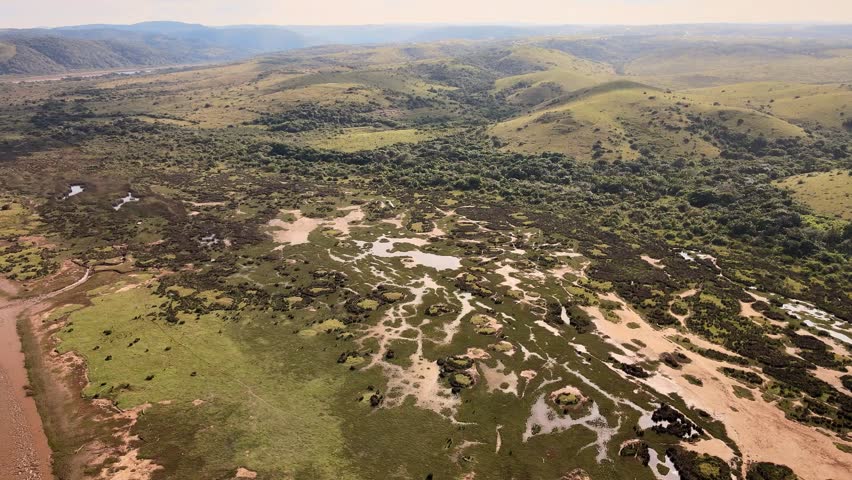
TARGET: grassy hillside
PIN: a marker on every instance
(556, 73)
(355, 139)
(827, 105)
(827, 193)
(676, 57)
(29, 55)
(685, 65)
(623, 120)
(692, 59)
(7, 51)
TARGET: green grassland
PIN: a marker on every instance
(555, 73)
(827, 193)
(355, 139)
(15, 218)
(626, 117)
(257, 408)
(729, 63)
(824, 105)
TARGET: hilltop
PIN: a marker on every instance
(625, 49)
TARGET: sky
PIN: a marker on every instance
(51, 13)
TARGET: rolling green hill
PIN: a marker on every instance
(51, 54)
(624, 119)
(827, 193)
(556, 73)
(828, 105)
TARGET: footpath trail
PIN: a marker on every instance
(25, 453)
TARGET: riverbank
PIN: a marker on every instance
(84, 435)
(26, 454)
(53, 435)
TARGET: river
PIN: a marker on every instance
(25, 454)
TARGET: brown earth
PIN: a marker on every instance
(74, 426)
(25, 454)
(811, 453)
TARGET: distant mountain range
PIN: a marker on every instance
(151, 44)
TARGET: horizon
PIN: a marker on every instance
(325, 13)
(440, 24)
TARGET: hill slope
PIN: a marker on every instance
(828, 105)
(620, 119)
(37, 52)
(674, 56)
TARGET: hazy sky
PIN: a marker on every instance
(29, 13)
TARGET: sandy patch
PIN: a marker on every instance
(345, 223)
(8, 287)
(129, 466)
(811, 454)
(245, 473)
(831, 377)
(396, 221)
(482, 321)
(747, 310)
(560, 271)
(758, 297)
(656, 263)
(436, 232)
(477, 354)
(569, 390)
(513, 277)
(500, 379)
(295, 232)
(689, 293)
(712, 446)
(421, 379)
(298, 231)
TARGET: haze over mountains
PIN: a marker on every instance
(150, 44)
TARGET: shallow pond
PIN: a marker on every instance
(75, 190)
(655, 461)
(384, 247)
(129, 198)
(819, 319)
